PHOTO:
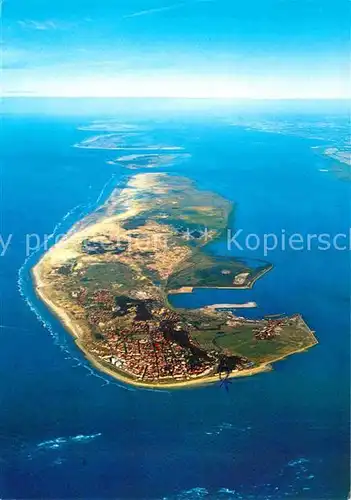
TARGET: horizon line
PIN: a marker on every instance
(319, 98)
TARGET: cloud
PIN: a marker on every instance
(19, 92)
(165, 8)
(38, 25)
(154, 11)
(46, 25)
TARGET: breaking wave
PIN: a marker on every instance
(293, 480)
(57, 443)
(24, 284)
(199, 493)
(226, 426)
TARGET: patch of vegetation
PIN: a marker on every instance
(241, 341)
(203, 270)
(67, 268)
(109, 275)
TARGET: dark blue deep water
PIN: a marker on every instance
(67, 431)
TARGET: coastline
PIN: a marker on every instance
(249, 286)
(76, 331)
(126, 148)
(61, 315)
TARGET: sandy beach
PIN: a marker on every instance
(62, 315)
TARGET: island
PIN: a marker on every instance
(152, 160)
(127, 141)
(341, 155)
(113, 126)
(110, 281)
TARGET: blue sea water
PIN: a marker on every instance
(67, 431)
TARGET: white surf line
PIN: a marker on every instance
(51, 236)
(61, 342)
(22, 274)
(58, 341)
(103, 189)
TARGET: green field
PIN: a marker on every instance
(203, 270)
(294, 336)
(109, 275)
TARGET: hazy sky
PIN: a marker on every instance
(161, 48)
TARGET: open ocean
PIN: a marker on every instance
(67, 431)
